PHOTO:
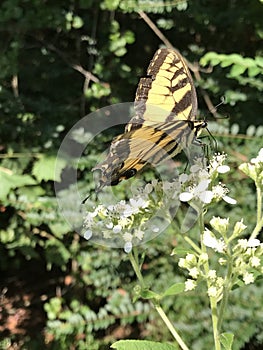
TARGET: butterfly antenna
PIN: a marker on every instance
(214, 109)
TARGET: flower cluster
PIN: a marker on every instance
(248, 254)
(125, 222)
(195, 266)
(244, 256)
(244, 259)
(200, 183)
(254, 169)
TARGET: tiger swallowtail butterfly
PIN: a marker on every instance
(164, 123)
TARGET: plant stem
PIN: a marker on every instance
(226, 290)
(171, 328)
(192, 244)
(133, 255)
(259, 214)
(135, 264)
(213, 300)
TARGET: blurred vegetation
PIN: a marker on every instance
(60, 61)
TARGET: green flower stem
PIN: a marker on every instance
(213, 300)
(133, 256)
(226, 291)
(259, 213)
(170, 326)
(192, 244)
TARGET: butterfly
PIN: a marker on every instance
(164, 123)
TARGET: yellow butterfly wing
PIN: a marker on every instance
(164, 121)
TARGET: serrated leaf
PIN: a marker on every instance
(48, 168)
(226, 339)
(9, 180)
(141, 345)
(174, 289)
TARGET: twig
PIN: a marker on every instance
(155, 29)
(14, 84)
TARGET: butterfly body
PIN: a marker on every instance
(164, 123)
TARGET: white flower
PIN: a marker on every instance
(182, 263)
(248, 278)
(242, 243)
(220, 224)
(203, 258)
(210, 241)
(106, 234)
(259, 158)
(220, 191)
(217, 161)
(190, 258)
(254, 242)
(200, 191)
(194, 272)
(239, 227)
(189, 285)
(211, 274)
(212, 291)
(127, 237)
(254, 261)
(139, 234)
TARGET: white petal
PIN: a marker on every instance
(185, 196)
(206, 196)
(229, 200)
(183, 178)
(222, 169)
(202, 186)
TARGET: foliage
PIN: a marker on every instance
(60, 61)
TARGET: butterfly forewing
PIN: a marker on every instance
(164, 121)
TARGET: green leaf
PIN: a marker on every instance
(148, 294)
(237, 70)
(77, 22)
(141, 345)
(174, 289)
(48, 168)
(226, 339)
(253, 71)
(9, 180)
